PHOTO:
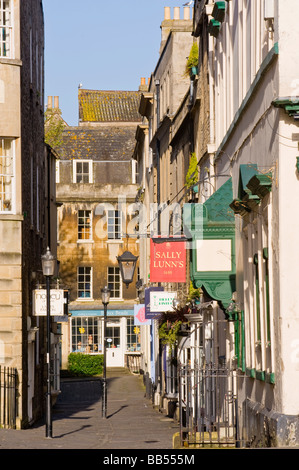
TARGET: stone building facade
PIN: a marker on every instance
(26, 166)
(96, 188)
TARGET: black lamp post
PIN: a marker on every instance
(105, 300)
(48, 265)
(127, 265)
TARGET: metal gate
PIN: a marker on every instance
(208, 406)
(8, 397)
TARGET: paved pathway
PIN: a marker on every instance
(131, 423)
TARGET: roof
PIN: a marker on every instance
(105, 143)
(108, 106)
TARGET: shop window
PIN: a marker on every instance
(133, 335)
(87, 335)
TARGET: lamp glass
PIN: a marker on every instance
(127, 264)
(48, 263)
(105, 295)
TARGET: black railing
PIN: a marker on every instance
(8, 397)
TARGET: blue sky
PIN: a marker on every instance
(105, 45)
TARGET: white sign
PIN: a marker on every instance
(214, 255)
(57, 302)
(162, 301)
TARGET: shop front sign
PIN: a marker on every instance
(168, 261)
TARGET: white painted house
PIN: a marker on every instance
(255, 82)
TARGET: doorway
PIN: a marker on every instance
(114, 347)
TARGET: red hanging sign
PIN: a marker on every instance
(168, 262)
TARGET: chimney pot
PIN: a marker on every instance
(186, 13)
(167, 15)
(176, 15)
(50, 102)
(56, 102)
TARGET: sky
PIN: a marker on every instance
(101, 44)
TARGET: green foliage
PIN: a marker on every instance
(192, 60)
(168, 333)
(80, 364)
(54, 126)
(193, 292)
(192, 173)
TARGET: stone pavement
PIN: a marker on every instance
(131, 423)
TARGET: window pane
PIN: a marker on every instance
(86, 335)
(114, 283)
(6, 175)
(84, 282)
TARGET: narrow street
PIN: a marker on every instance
(132, 422)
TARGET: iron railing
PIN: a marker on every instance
(208, 406)
(8, 397)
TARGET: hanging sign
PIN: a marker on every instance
(162, 301)
(149, 315)
(57, 302)
(168, 261)
(139, 315)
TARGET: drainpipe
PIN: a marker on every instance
(211, 145)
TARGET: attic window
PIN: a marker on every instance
(82, 171)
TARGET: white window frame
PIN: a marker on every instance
(90, 171)
(112, 282)
(85, 299)
(112, 217)
(12, 175)
(90, 238)
(8, 26)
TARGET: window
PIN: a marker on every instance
(82, 171)
(114, 225)
(84, 225)
(87, 335)
(7, 173)
(114, 282)
(133, 335)
(113, 333)
(84, 283)
(5, 29)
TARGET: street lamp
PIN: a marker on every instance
(127, 265)
(105, 299)
(48, 265)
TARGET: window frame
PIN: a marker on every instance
(113, 216)
(75, 171)
(12, 156)
(111, 282)
(131, 335)
(85, 281)
(84, 226)
(7, 26)
(92, 326)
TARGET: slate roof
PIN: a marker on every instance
(108, 106)
(111, 143)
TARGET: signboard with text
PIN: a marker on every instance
(57, 302)
(162, 301)
(148, 314)
(168, 261)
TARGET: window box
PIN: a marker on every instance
(219, 11)
(214, 27)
